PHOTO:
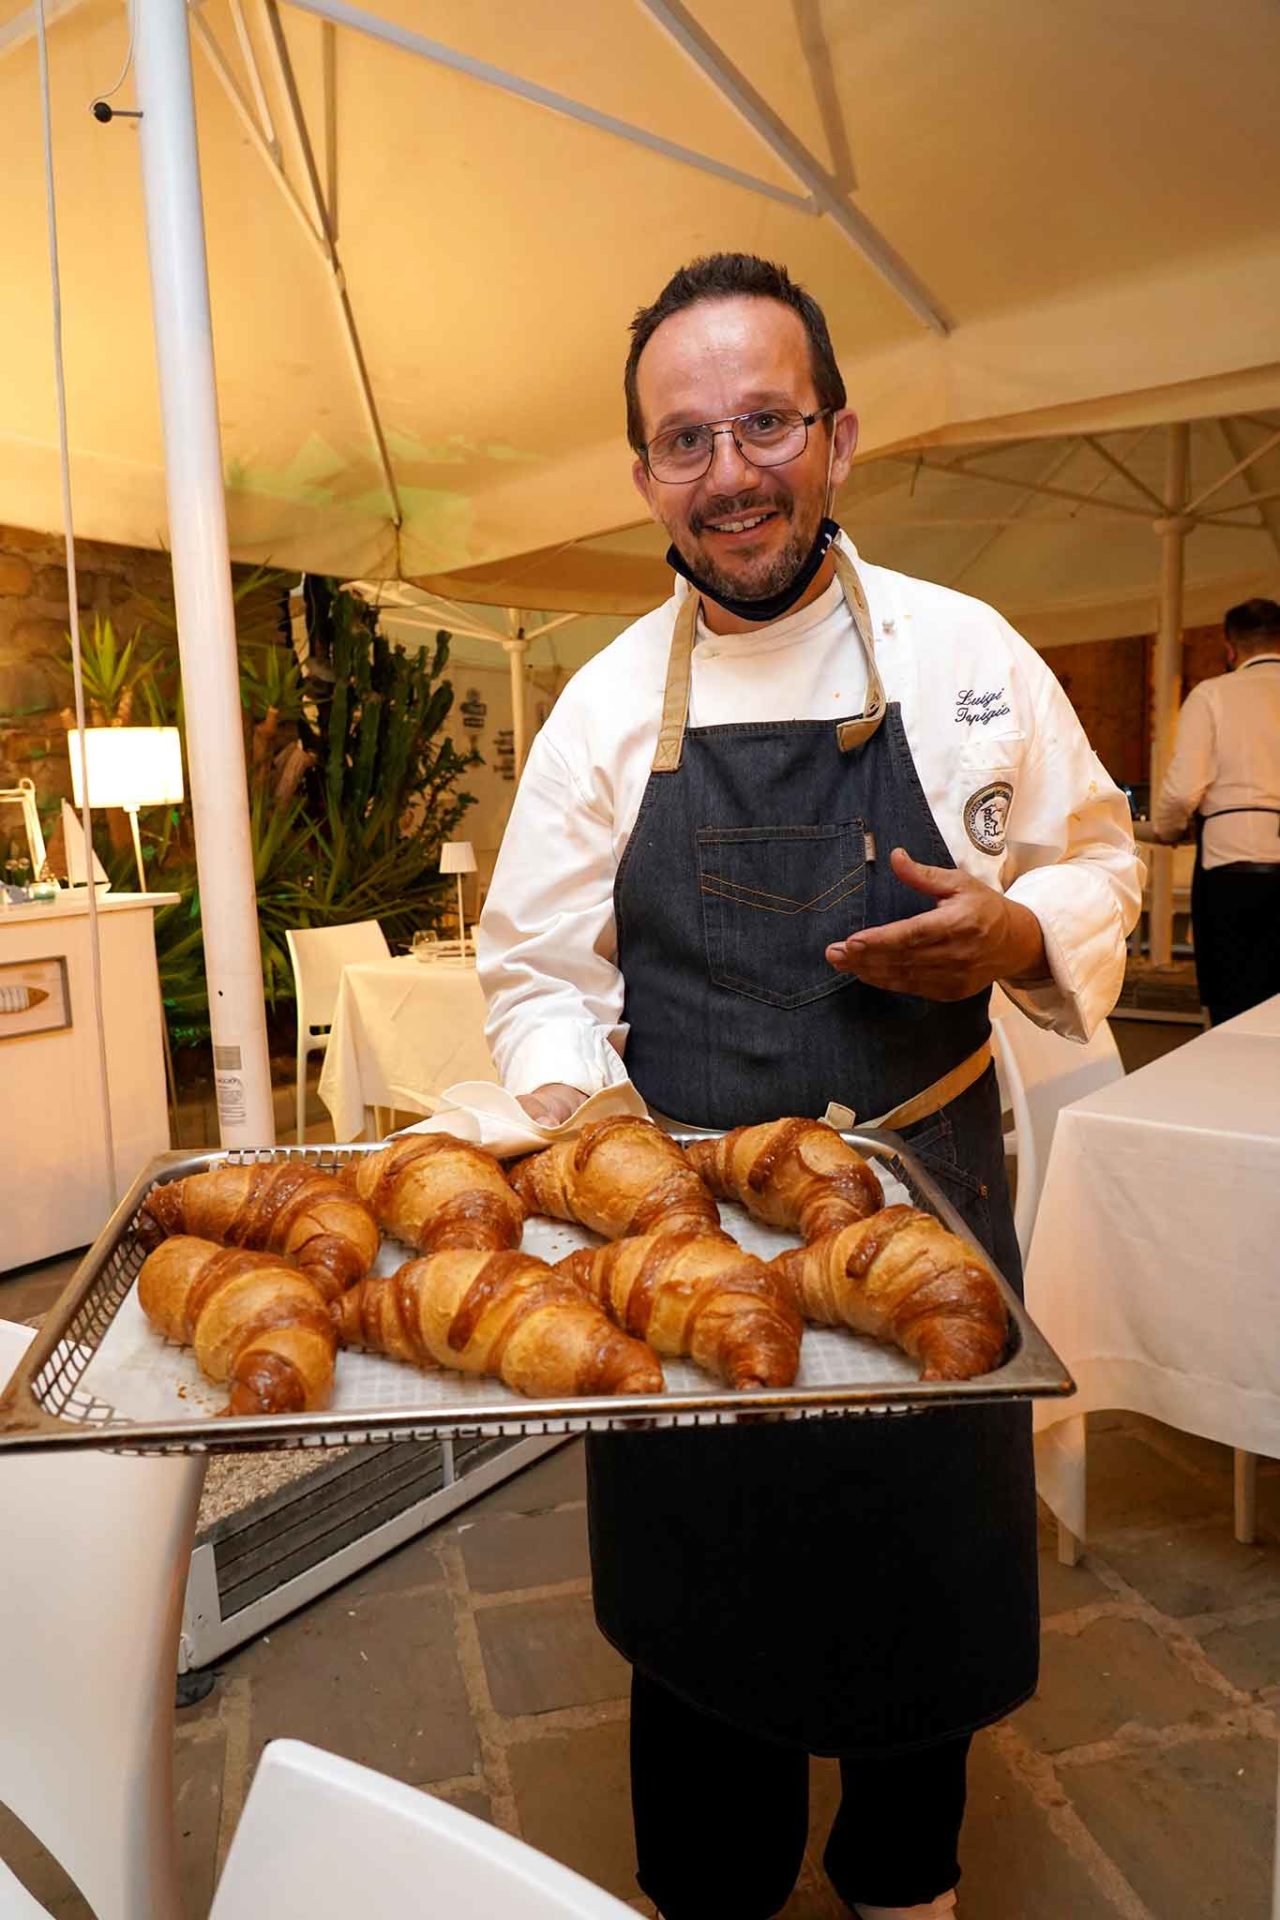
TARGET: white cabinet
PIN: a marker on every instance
(56, 1191)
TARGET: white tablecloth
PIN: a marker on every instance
(403, 1031)
(1155, 1266)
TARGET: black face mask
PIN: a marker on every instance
(776, 604)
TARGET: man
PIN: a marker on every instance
(1225, 773)
(770, 851)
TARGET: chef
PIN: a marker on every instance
(1225, 778)
(770, 851)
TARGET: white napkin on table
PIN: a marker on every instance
(490, 1117)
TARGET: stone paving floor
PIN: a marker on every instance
(1140, 1782)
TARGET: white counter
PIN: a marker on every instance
(54, 1191)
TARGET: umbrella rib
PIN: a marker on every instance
(269, 149)
(985, 545)
(1241, 466)
(250, 58)
(1266, 510)
(1028, 486)
(22, 27)
(709, 58)
(345, 15)
(339, 278)
(1100, 448)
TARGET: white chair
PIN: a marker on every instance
(326, 1838)
(1039, 1074)
(318, 955)
(96, 1548)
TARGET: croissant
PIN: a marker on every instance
(902, 1277)
(790, 1173)
(618, 1176)
(288, 1207)
(434, 1191)
(696, 1294)
(498, 1313)
(254, 1319)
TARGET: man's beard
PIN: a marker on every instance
(762, 579)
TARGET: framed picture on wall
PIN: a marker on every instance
(34, 997)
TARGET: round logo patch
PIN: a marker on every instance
(986, 815)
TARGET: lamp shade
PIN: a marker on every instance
(128, 766)
(457, 856)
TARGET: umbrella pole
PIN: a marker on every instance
(516, 650)
(1173, 530)
(202, 573)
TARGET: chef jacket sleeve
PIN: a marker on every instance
(1071, 859)
(1190, 770)
(546, 950)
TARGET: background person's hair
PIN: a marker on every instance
(1252, 625)
(727, 276)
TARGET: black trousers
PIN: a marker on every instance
(1235, 915)
(721, 1816)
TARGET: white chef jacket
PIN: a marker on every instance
(1228, 755)
(989, 728)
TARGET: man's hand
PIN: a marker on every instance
(551, 1104)
(972, 936)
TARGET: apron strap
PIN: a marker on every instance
(921, 1105)
(850, 734)
(675, 698)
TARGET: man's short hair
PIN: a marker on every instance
(1253, 624)
(727, 276)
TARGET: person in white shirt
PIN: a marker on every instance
(1225, 777)
(770, 851)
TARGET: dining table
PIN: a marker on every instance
(1154, 1268)
(404, 1029)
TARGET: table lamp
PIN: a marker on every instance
(128, 767)
(458, 857)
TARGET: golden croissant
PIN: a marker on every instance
(902, 1277)
(700, 1295)
(434, 1191)
(283, 1207)
(618, 1176)
(254, 1319)
(790, 1173)
(501, 1313)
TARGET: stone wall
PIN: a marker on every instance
(35, 670)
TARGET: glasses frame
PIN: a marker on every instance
(729, 424)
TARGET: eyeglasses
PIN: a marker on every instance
(768, 438)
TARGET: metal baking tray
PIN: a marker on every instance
(97, 1375)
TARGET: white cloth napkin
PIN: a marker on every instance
(492, 1118)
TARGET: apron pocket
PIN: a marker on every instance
(773, 900)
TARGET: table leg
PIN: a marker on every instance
(1246, 1496)
(1061, 1483)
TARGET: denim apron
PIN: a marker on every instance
(848, 1584)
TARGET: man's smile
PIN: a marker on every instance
(743, 523)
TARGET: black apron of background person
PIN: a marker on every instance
(1235, 923)
(843, 1584)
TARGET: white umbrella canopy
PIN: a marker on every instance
(1023, 222)
(1077, 208)
(1078, 562)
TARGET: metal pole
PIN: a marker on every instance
(515, 649)
(202, 573)
(1172, 529)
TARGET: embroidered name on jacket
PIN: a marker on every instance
(986, 816)
(974, 709)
